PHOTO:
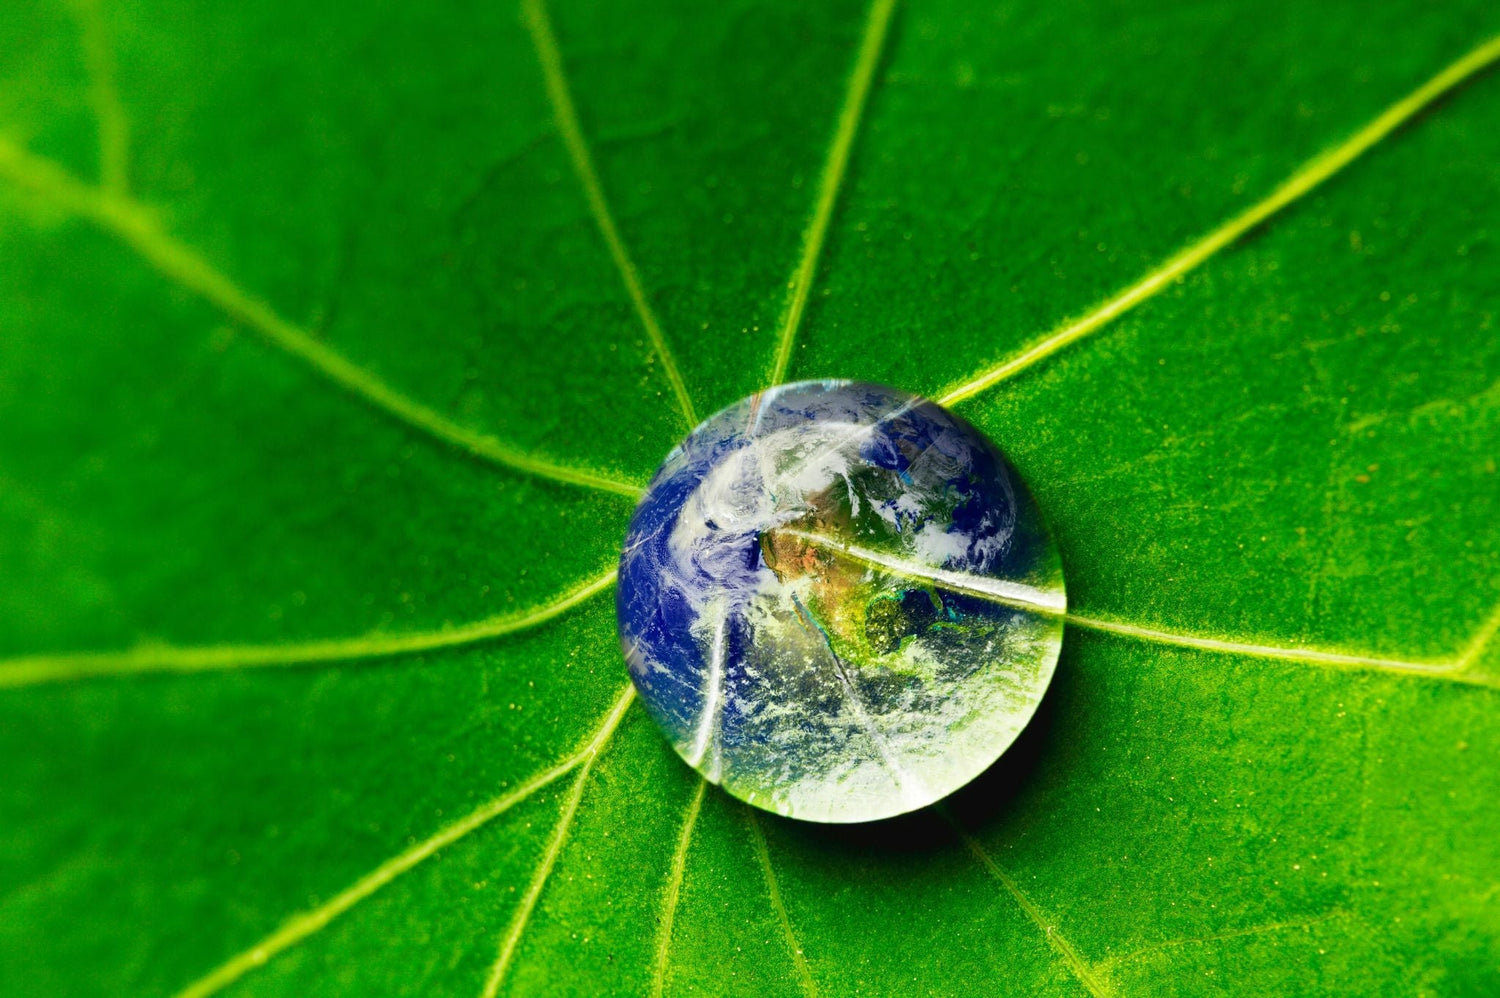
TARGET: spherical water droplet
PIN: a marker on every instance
(839, 601)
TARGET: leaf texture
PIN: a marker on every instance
(336, 340)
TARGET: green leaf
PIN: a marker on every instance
(335, 341)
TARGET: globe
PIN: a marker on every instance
(839, 601)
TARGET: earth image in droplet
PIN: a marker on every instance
(839, 601)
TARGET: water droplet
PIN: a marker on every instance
(839, 601)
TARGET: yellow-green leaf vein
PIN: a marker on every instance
(1309, 176)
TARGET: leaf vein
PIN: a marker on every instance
(1047, 604)
(35, 669)
(773, 888)
(1311, 175)
(300, 926)
(104, 96)
(522, 916)
(539, 23)
(674, 890)
(1059, 943)
(1251, 930)
(132, 224)
(877, 25)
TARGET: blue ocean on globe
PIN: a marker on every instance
(839, 601)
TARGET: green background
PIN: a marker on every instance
(1293, 446)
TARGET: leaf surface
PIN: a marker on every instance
(335, 340)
